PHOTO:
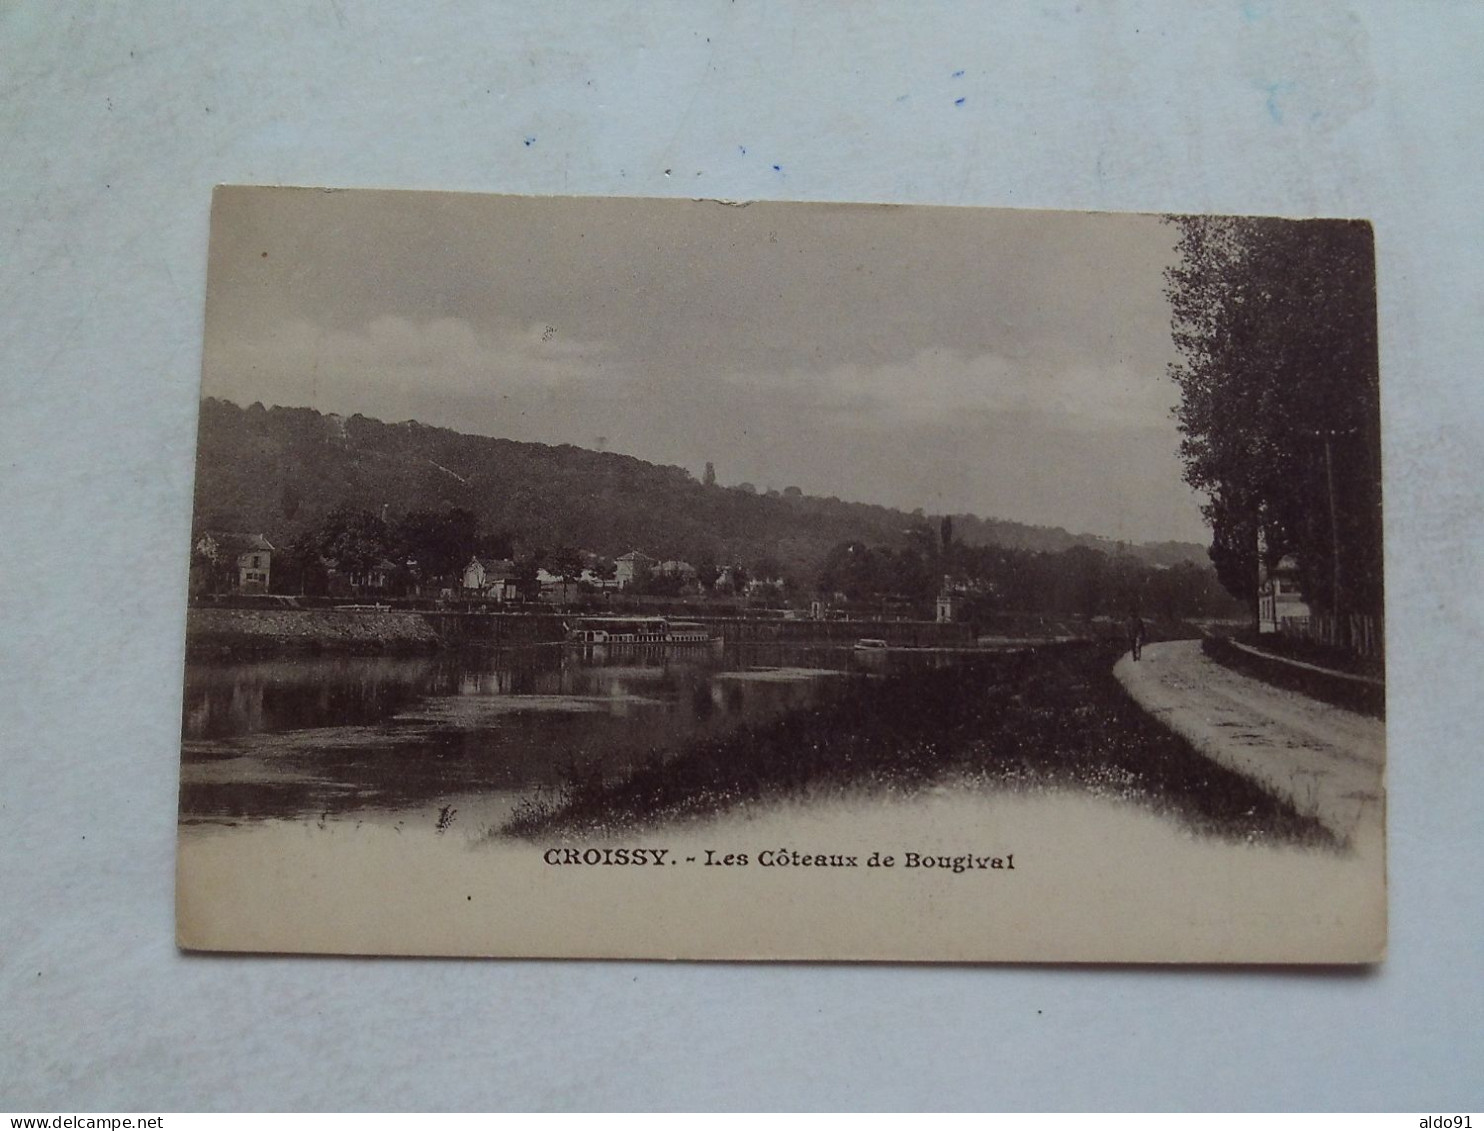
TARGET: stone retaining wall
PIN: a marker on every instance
(237, 631)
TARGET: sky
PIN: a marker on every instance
(1010, 364)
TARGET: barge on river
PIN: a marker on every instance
(638, 630)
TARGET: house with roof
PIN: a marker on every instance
(731, 579)
(590, 576)
(683, 574)
(244, 561)
(631, 567)
(1280, 599)
(946, 608)
(379, 576)
(491, 577)
(480, 572)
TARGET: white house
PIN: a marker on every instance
(251, 554)
(494, 577)
(1279, 598)
(947, 607)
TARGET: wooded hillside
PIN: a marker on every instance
(282, 471)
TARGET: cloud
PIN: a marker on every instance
(397, 355)
(399, 366)
(942, 386)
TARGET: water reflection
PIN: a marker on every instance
(321, 737)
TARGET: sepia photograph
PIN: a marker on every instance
(624, 577)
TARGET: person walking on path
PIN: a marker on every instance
(1135, 635)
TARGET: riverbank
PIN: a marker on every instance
(1044, 719)
(242, 632)
(249, 633)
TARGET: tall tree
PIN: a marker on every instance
(355, 540)
(567, 563)
(302, 570)
(441, 542)
(1275, 322)
(289, 499)
(527, 580)
(707, 571)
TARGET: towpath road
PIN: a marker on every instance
(1326, 761)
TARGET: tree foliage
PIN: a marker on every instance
(439, 542)
(1275, 323)
(355, 540)
(446, 496)
(1076, 583)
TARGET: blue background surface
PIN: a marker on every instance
(116, 121)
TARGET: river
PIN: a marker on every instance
(355, 805)
(398, 738)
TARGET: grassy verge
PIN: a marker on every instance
(1313, 652)
(1364, 698)
(1041, 719)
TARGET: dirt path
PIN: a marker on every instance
(1327, 761)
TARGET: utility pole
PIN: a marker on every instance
(1334, 528)
(1335, 599)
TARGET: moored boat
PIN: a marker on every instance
(638, 630)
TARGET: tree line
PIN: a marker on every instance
(426, 551)
(1279, 379)
(1079, 582)
(283, 471)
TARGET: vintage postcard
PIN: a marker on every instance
(684, 579)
